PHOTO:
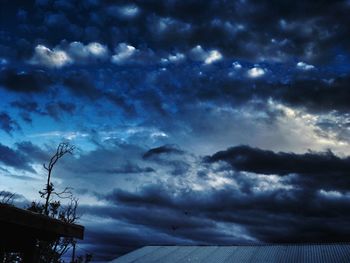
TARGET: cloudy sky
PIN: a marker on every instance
(195, 122)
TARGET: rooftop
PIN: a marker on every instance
(284, 253)
(19, 226)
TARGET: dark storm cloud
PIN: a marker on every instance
(161, 226)
(305, 201)
(274, 215)
(128, 168)
(28, 106)
(160, 94)
(7, 123)
(23, 154)
(109, 160)
(245, 158)
(166, 149)
(110, 246)
(81, 84)
(14, 158)
(56, 109)
(32, 152)
(161, 28)
(123, 239)
(26, 117)
(265, 203)
(312, 170)
(300, 90)
(169, 157)
(152, 195)
(26, 82)
(317, 95)
(66, 106)
(254, 30)
(223, 203)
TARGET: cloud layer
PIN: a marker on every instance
(196, 122)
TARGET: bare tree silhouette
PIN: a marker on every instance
(52, 207)
(49, 190)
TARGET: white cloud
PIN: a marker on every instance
(208, 57)
(178, 57)
(69, 135)
(304, 66)
(3, 61)
(197, 53)
(162, 25)
(294, 122)
(236, 65)
(54, 58)
(122, 53)
(124, 12)
(93, 50)
(229, 27)
(129, 11)
(331, 194)
(75, 52)
(97, 49)
(236, 68)
(256, 72)
(213, 56)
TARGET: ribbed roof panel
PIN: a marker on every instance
(294, 253)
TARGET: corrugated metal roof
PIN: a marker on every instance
(291, 253)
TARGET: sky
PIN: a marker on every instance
(195, 122)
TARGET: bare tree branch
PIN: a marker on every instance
(6, 197)
(62, 149)
(52, 251)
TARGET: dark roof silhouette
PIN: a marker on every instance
(21, 228)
